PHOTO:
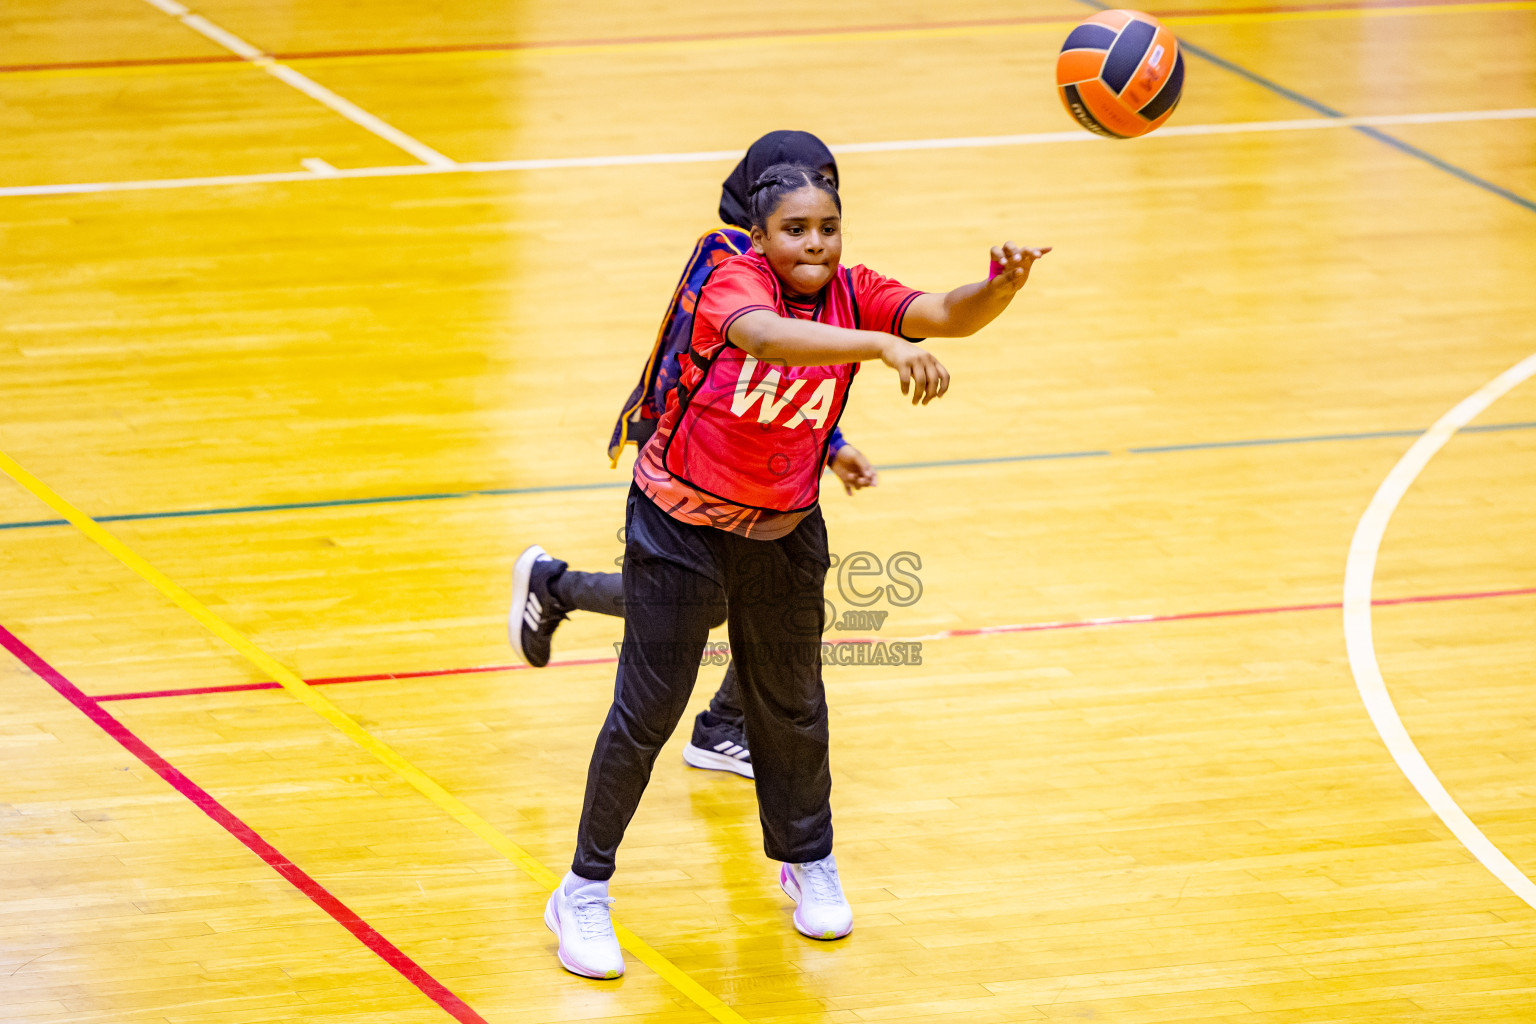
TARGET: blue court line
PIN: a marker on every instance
(498, 492)
(1263, 441)
(1322, 108)
(1488, 428)
(990, 460)
(1314, 438)
(388, 499)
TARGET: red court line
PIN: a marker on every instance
(332, 680)
(1033, 627)
(362, 930)
(705, 37)
(1131, 620)
(140, 62)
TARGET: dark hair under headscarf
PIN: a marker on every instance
(778, 181)
(801, 148)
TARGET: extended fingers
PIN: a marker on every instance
(919, 383)
(938, 382)
(935, 380)
(922, 376)
(1011, 254)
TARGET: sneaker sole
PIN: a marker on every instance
(786, 881)
(712, 761)
(522, 574)
(552, 922)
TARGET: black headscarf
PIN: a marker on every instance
(774, 148)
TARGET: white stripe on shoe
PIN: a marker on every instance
(699, 757)
(523, 599)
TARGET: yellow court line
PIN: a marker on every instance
(307, 695)
(747, 41)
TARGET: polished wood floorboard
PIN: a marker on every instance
(1149, 794)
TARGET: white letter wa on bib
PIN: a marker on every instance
(765, 394)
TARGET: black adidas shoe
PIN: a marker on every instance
(535, 612)
(719, 745)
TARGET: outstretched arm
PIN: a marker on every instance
(787, 341)
(969, 308)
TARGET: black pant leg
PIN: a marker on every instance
(726, 703)
(777, 611)
(672, 596)
(600, 592)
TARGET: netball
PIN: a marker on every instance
(1120, 74)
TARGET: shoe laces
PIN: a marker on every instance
(591, 914)
(820, 877)
(718, 732)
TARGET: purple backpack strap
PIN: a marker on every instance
(649, 398)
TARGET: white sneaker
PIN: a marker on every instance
(587, 944)
(718, 745)
(821, 911)
(535, 612)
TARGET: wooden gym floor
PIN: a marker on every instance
(294, 311)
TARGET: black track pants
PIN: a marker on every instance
(603, 593)
(679, 580)
(600, 592)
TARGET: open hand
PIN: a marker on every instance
(1010, 266)
(922, 375)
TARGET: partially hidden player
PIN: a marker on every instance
(545, 590)
(723, 512)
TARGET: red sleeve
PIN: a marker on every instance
(883, 301)
(736, 287)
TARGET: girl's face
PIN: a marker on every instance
(804, 241)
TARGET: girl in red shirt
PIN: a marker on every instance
(723, 512)
(544, 589)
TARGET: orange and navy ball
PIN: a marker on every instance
(1120, 73)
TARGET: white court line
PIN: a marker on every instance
(308, 86)
(1184, 130)
(1359, 571)
(708, 156)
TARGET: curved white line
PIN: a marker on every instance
(1359, 571)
